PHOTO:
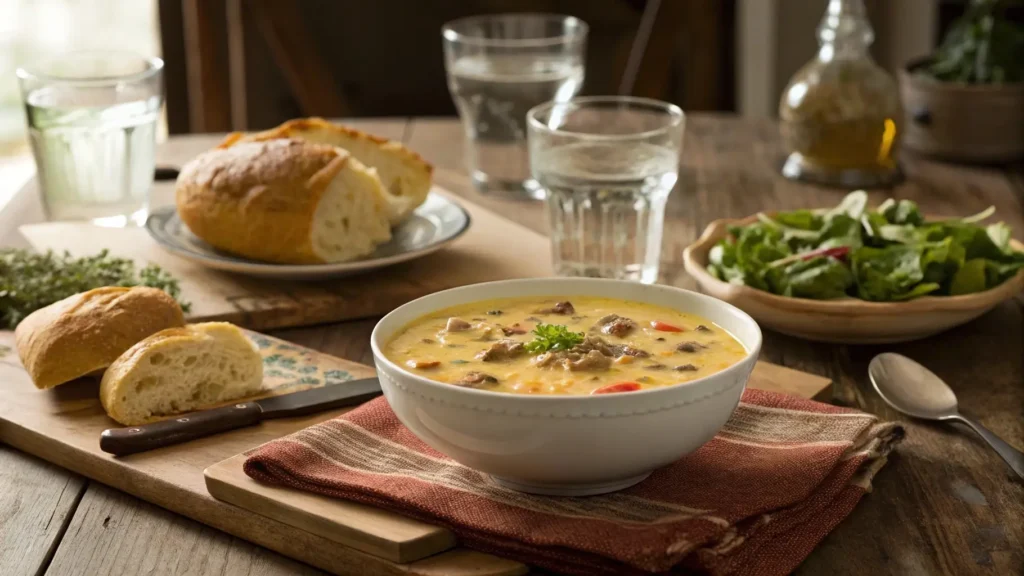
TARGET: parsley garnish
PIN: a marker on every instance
(547, 337)
(30, 281)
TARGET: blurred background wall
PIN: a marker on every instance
(383, 58)
(250, 64)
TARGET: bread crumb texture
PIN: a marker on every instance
(178, 370)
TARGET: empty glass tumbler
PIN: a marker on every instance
(92, 122)
(607, 165)
(498, 68)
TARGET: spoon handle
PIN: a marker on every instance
(1012, 456)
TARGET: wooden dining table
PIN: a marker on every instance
(944, 503)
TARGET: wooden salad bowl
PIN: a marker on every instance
(847, 320)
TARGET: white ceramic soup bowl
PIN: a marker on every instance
(563, 444)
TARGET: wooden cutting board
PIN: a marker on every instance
(263, 304)
(63, 425)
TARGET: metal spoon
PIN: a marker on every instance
(916, 391)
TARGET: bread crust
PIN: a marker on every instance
(83, 334)
(406, 176)
(257, 199)
(295, 129)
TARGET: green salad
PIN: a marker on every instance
(883, 255)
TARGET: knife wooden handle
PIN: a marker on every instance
(132, 439)
(165, 173)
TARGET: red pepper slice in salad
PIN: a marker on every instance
(838, 252)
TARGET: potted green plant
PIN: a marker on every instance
(966, 101)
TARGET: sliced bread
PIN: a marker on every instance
(284, 201)
(180, 370)
(405, 175)
(82, 334)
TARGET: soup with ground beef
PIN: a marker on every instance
(585, 345)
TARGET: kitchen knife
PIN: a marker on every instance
(132, 439)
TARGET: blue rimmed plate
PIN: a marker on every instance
(435, 224)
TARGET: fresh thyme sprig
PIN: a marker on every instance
(30, 281)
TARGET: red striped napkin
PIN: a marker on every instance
(755, 500)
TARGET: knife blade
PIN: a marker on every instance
(132, 439)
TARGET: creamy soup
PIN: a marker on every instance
(582, 345)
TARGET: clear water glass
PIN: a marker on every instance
(498, 68)
(92, 120)
(608, 165)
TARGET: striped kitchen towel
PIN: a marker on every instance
(755, 500)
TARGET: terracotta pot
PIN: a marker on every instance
(968, 122)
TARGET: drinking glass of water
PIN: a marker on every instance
(607, 164)
(92, 122)
(498, 68)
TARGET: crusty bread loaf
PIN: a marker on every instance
(82, 334)
(405, 175)
(284, 201)
(180, 370)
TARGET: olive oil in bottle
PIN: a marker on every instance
(840, 114)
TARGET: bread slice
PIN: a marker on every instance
(180, 370)
(82, 334)
(284, 201)
(405, 175)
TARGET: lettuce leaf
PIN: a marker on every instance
(799, 219)
(941, 260)
(853, 205)
(901, 212)
(884, 274)
(820, 278)
(840, 230)
(969, 278)
(745, 258)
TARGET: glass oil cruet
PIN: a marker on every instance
(840, 115)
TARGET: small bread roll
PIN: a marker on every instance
(82, 334)
(405, 175)
(180, 370)
(284, 201)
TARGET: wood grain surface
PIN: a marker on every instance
(37, 500)
(262, 304)
(114, 533)
(945, 504)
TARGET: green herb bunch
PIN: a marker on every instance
(552, 337)
(981, 47)
(887, 254)
(30, 281)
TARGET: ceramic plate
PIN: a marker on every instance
(436, 223)
(847, 320)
